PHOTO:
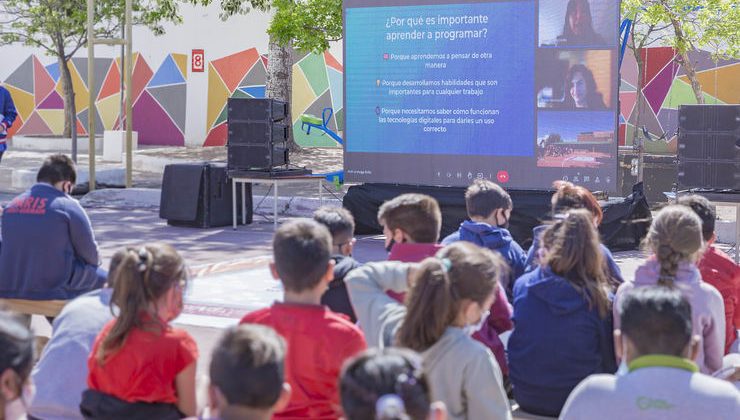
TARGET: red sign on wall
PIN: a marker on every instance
(197, 62)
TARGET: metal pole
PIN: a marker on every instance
(129, 93)
(122, 111)
(91, 88)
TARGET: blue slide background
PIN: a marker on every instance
(511, 32)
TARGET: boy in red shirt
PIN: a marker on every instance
(717, 268)
(319, 340)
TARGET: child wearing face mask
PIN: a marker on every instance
(562, 317)
(16, 361)
(140, 366)
(448, 298)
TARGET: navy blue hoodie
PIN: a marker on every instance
(557, 342)
(48, 248)
(8, 114)
(532, 261)
(496, 239)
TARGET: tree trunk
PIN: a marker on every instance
(688, 66)
(683, 58)
(280, 81)
(70, 111)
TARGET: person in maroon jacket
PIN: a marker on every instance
(718, 269)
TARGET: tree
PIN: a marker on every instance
(642, 34)
(693, 25)
(59, 28)
(307, 25)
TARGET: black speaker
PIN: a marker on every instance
(200, 195)
(701, 174)
(258, 134)
(257, 109)
(709, 147)
(709, 118)
(247, 158)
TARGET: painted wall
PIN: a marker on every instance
(171, 103)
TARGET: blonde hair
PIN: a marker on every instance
(675, 236)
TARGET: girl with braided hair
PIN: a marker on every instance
(675, 242)
(140, 366)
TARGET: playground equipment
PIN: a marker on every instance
(308, 122)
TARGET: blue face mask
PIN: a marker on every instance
(390, 245)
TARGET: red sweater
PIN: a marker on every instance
(721, 272)
(319, 341)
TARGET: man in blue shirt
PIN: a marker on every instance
(7, 116)
(48, 248)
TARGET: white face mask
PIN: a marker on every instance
(474, 328)
(17, 409)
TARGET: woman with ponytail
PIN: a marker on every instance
(140, 366)
(562, 317)
(448, 297)
(676, 244)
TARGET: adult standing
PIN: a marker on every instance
(7, 116)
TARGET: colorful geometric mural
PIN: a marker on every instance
(665, 88)
(317, 84)
(159, 98)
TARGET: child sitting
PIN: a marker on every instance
(140, 366)
(562, 318)
(568, 197)
(675, 241)
(61, 373)
(655, 340)
(449, 298)
(341, 226)
(319, 340)
(387, 384)
(248, 374)
(16, 361)
(489, 208)
(411, 224)
(718, 269)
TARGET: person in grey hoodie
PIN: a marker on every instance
(448, 296)
(60, 375)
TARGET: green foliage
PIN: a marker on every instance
(713, 25)
(308, 25)
(60, 26)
